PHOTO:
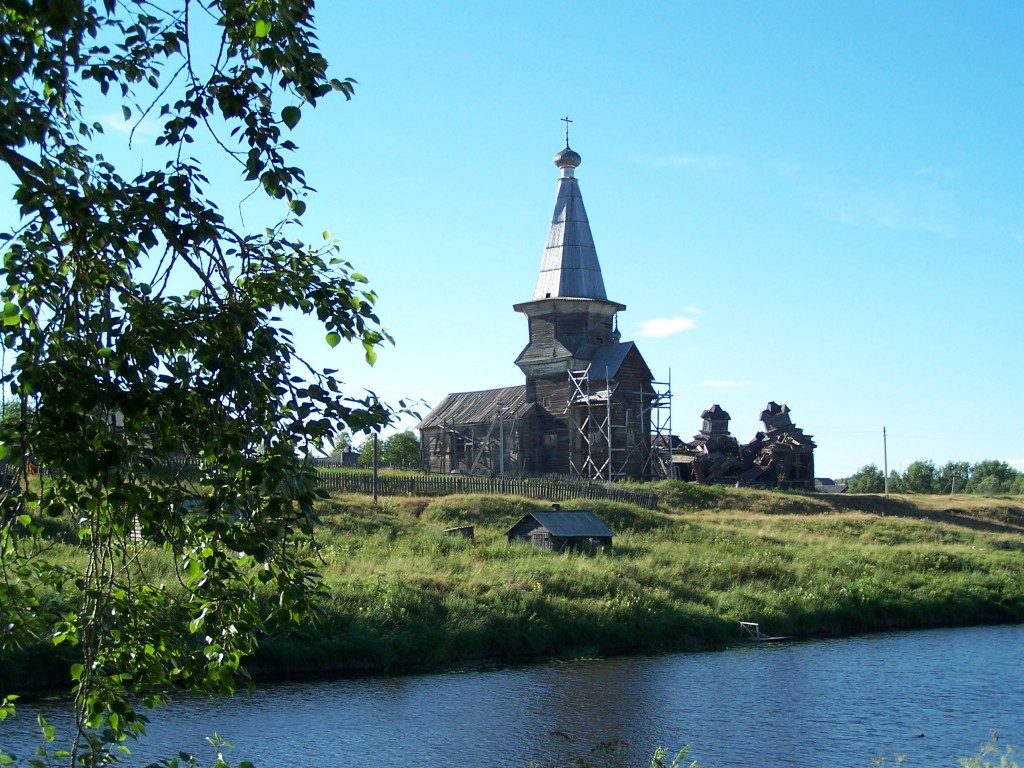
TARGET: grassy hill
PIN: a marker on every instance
(404, 596)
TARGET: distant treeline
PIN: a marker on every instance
(988, 478)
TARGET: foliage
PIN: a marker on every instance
(342, 444)
(989, 478)
(399, 451)
(694, 496)
(995, 477)
(895, 481)
(920, 477)
(660, 758)
(144, 343)
(984, 759)
(952, 477)
(991, 752)
(867, 479)
(366, 450)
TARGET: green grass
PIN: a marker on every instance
(404, 596)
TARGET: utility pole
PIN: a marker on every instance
(885, 460)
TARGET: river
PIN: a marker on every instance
(932, 696)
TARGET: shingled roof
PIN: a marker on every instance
(569, 267)
(476, 407)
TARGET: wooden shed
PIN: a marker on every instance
(560, 531)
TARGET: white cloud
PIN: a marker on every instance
(936, 171)
(705, 163)
(116, 122)
(924, 202)
(725, 384)
(666, 326)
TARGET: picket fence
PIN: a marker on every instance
(446, 485)
(337, 480)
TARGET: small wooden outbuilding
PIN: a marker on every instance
(560, 531)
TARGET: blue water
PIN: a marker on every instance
(932, 696)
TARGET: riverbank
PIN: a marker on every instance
(403, 596)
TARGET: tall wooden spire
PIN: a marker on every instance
(570, 315)
(569, 267)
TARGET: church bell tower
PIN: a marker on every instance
(570, 316)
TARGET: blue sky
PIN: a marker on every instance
(816, 203)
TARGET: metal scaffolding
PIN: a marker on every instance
(590, 428)
(601, 448)
(660, 410)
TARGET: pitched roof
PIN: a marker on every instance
(569, 267)
(478, 407)
(608, 359)
(571, 524)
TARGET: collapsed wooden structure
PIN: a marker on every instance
(780, 456)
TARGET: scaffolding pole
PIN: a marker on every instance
(660, 456)
(600, 448)
(589, 428)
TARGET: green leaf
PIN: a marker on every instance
(291, 116)
(201, 366)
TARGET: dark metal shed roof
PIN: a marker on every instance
(571, 524)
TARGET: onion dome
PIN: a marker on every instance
(567, 160)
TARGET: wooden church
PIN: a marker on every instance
(589, 404)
